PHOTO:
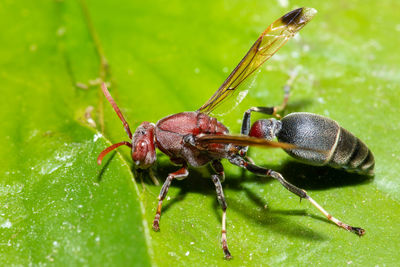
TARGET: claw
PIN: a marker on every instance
(228, 255)
(156, 225)
(358, 231)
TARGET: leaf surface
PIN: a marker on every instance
(58, 206)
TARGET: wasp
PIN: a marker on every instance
(195, 138)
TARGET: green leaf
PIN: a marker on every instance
(160, 58)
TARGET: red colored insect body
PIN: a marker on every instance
(195, 138)
(172, 130)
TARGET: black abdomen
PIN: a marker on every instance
(339, 148)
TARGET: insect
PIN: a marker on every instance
(196, 139)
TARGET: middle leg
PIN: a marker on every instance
(217, 178)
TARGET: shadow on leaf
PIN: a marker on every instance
(104, 167)
(320, 177)
(301, 175)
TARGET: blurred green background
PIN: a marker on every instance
(162, 57)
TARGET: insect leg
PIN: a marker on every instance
(153, 177)
(270, 110)
(247, 117)
(217, 178)
(286, 90)
(295, 190)
(181, 173)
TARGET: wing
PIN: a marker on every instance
(244, 140)
(241, 140)
(273, 38)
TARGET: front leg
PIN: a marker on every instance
(181, 173)
(295, 190)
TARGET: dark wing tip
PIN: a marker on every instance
(299, 16)
(291, 17)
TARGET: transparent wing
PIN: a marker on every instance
(244, 140)
(273, 38)
(241, 140)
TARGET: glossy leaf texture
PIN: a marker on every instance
(163, 57)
